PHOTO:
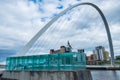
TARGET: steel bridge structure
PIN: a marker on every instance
(38, 35)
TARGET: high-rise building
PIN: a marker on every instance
(95, 53)
(99, 51)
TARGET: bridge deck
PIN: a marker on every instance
(95, 67)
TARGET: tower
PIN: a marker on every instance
(99, 51)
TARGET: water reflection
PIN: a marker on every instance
(105, 75)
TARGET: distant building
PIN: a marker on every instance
(88, 58)
(95, 54)
(99, 51)
(106, 56)
(93, 57)
(52, 51)
(101, 54)
(63, 49)
(81, 50)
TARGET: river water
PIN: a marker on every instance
(105, 74)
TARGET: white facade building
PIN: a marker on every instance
(99, 51)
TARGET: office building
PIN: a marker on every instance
(99, 51)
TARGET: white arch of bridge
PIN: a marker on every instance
(33, 40)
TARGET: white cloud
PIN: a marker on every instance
(21, 20)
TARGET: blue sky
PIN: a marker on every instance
(20, 20)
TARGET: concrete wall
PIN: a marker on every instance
(48, 75)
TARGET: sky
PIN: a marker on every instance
(20, 20)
